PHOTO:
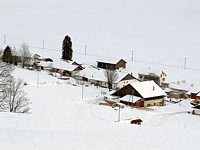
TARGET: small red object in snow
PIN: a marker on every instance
(136, 121)
(110, 102)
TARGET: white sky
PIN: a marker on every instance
(157, 30)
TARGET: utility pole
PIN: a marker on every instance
(37, 78)
(82, 89)
(185, 62)
(132, 56)
(85, 49)
(119, 115)
(4, 39)
(42, 44)
(38, 70)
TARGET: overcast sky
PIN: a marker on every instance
(156, 30)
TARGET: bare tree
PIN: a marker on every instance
(3, 103)
(111, 76)
(17, 100)
(25, 54)
(5, 77)
(12, 96)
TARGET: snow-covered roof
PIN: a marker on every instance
(148, 89)
(110, 60)
(92, 73)
(192, 88)
(98, 74)
(151, 71)
(45, 64)
(60, 64)
(130, 98)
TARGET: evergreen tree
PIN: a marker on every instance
(67, 48)
(7, 55)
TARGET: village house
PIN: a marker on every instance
(96, 76)
(113, 65)
(36, 58)
(127, 79)
(194, 93)
(158, 77)
(178, 90)
(42, 63)
(65, 68)
(142, 94)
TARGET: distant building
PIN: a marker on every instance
(112, 64)
(178, 90)
(65, 68)
(96, 76)
(158, 77)
(127, 79)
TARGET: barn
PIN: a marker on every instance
(145, 94)
(115, 64)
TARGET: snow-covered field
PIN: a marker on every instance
(159, 35)
(61, 119)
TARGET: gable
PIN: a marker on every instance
(148, 89)
(121, 61)
(127, 90)
(128, 77)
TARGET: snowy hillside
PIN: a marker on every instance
(150, 35)
(61, 119)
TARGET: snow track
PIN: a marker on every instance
(161, 118)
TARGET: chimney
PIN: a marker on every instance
(153, 88)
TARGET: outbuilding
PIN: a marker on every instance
(136, 121)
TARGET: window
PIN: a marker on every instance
(140, 76)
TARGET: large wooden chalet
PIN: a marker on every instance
(143, 94)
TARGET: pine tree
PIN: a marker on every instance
(7, 55)
(67, 48)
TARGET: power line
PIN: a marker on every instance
(85, 52)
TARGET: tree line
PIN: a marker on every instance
(12, 56)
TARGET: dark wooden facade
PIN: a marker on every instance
(105, 65)
(139, 103)
(125, 91)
